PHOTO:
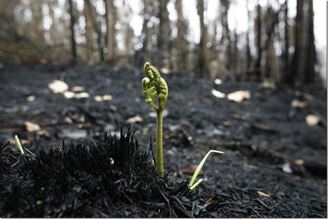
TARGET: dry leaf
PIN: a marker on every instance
(239, 96)
(262, 127)
(68, 94)
(113, 108)
(98, 98)
(299, 162)
(31, 98)
(262, 194)
(135, 119)
(218, 94)
(217, 81)
(32, 127)
(298, 104)
(106, 97)
(58, 86)
(77, 89)
(82, 95)
(286, 168)
(189, 170)
(312, 120)
(268, 84)
(165, 70)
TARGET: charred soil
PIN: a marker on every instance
(274, 163)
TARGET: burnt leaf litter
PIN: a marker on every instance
(84, 160)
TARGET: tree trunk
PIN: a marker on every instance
(72, 38)
(163, 34)
(88, 32)
(310, 54)
(181, 40)
(226, 41)
(248, 48)
(286, 70)
(298, 38)
(202, 58)
(258, 42)
(111, 19)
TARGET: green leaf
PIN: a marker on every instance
(19, 145)
(192, 185)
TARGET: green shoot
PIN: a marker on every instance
(155, 90)
(19, 145)
(192, 184)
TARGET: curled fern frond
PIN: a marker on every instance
(156, 91)
(154, 88)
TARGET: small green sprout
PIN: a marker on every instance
(19, 145)
(192, 184)
(155, 90)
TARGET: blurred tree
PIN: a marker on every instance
(298, 44)
(127, 29)
(271, 18)
(226, 41)
(248, 48)
(93, 18)
(202, 57)
(258, 31)
(89, 39)
(163, 34)
(309, 74)
(181, 41)
(148, 36)
(111, 20)
(54, 31)
(38, 31)
(72, 37)
(285, 55)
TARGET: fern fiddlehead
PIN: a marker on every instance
(155, 90)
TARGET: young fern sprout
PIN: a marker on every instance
(155, 90)
(193, 184)
(19, 145)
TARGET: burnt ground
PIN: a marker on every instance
(274, 164)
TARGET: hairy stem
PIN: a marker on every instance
(159, 143)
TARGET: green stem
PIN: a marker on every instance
(159, 143)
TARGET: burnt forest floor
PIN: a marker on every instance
(274, 165)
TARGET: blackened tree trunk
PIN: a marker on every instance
(248, 48)
(258, 71)
(181, 40)
(72, 37)
(88, 29)
(286, 71)
(163, 34)
(310, 54)
(226, 41)
(298, 38)
(202, 58)
(111, 20)
(94, 20)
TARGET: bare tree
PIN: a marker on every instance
(286, 44)
(72, 26)
(226, 41)
(298, 41)
(88, 31)
(258, 24)
(202, 58)
(163, 34)
(310, 50)
(149, 12)
(248, 48)
(111, 20)
(181, 40)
